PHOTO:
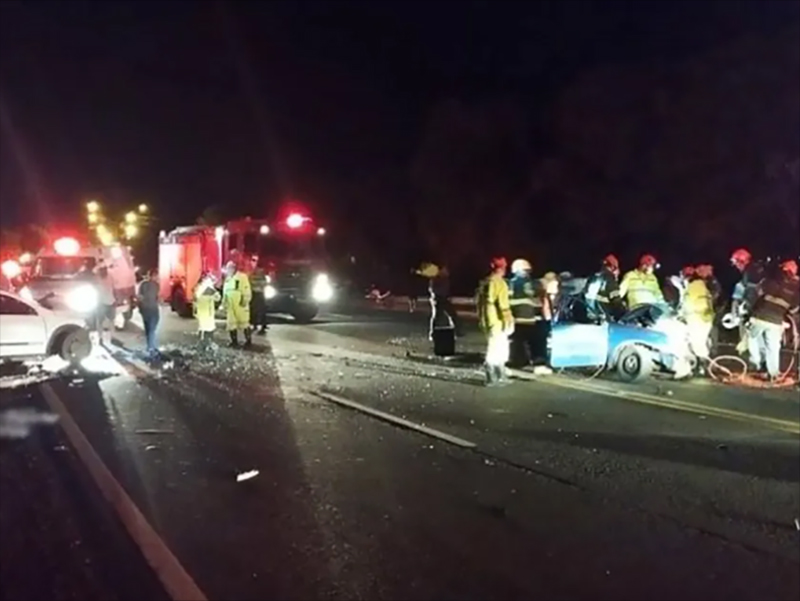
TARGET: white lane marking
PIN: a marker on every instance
(176, 580)
(399, 421)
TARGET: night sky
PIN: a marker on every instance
(191, 104)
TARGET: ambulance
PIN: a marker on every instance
(289, 248)
(66, 265)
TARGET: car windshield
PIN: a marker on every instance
(63, 267)
(284, 248)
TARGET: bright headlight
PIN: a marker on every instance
(83, 299)
(322, 292)
(270, 291)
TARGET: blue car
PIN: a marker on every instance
(649, 338)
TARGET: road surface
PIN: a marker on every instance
(336, 461)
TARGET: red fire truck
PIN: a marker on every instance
(291, 251)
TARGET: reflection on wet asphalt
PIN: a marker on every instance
(266, 491)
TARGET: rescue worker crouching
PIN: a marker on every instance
(236, 295)
(602, 292)
(779, 296)
(640, 286)
(697, 309)
(258, 302)
(496, 321)
(206, 298)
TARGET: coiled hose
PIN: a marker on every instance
(742, 378)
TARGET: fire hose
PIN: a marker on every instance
(742, 378)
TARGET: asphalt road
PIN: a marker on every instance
(377, 474)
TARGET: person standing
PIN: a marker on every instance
(602, 292)
(258, 302)
(107, 305)
(640, 286)
(147, 298)
(206, 298)
(236, 294)
(778, 298)
(496, 321)
(697, 308)
(526, 308)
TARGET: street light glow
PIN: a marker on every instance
(131, 231)
(92, 217)
(92, 206)
(130, 217)
(143, 208)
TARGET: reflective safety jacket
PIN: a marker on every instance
(205, 303)
(779, 297)
(258, 281)
(640, 288)
(602, 293)
(698, 305)
(525, 302)
(236, 290)
(492, 304)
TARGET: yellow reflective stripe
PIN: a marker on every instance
(775, 300)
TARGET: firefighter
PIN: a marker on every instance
(526, 308)
(496, 321)
(778, 298)
(602, 291)
(697, 309)
(706, 272)
(237, 294)
(640, 286)
(206, 298)
(444, 326)
(258, 302)
(745, 292)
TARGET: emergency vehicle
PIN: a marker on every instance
(60, 268)
(291, 251)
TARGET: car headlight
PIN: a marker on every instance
(270, 291)
(83, 299)
(322, 291)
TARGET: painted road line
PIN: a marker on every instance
(393, 419)
(176, 580)
(670, 403)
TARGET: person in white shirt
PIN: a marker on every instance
(106, 309)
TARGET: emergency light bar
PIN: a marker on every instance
(295, 220)
(66, 246)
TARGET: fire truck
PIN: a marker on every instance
(290, 250)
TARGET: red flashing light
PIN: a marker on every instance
(295, 220)
(67, 246)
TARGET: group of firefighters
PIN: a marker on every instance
(515, 315)
(243, 301)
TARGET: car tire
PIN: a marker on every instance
(75, 346)
(634, 364)
(305, 314)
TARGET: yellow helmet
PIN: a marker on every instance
(428, 270)
(520, 266)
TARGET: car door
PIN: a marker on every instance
(22, 329)
(578, 345)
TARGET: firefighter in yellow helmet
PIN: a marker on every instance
(236, 295)
(697, 309)
(640, 286)
(206, 298)
(496, 321)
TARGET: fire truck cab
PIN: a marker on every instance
(291, 252)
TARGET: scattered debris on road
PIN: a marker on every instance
(18, 423)
(246, 475)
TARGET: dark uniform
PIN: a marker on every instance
(779, 298)
(602, 295)
(258, 304)
(444, 326)
(527, 307)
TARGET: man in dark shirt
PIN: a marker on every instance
(602, 291)
(149, 308)
(779, 297)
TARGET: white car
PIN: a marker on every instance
(27, 329)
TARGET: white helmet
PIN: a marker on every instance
(520, 266)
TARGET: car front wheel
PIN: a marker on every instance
(75, 346)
